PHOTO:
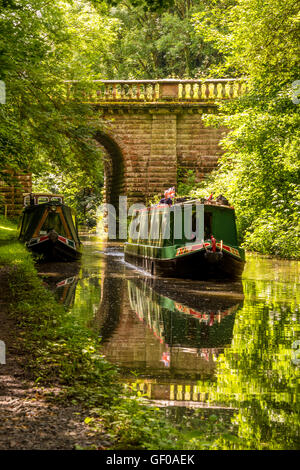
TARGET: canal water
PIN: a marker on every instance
(205, 349)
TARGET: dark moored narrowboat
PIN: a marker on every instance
(49, 229)
(161, 241)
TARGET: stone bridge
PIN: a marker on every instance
(153, 129)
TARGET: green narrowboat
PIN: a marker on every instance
(194, 239)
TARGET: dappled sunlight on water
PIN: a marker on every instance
(226, 346)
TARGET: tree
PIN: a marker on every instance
(259, 172)
(157, 40)
(42, 45)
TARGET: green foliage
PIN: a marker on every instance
(8, 229)
(60, 348)
(259, 172)
(43, 44)
(186, 182)
(82, 194)
(155, 43)
(135, 425)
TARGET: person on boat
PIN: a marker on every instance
(168, 196)
(213, 243)
(222, 200)
(166, 201)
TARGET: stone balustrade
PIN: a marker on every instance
(155, 91)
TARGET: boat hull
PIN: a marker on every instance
(54, 251)
(196, 265)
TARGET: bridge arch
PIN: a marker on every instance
(114, 179)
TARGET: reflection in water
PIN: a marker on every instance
(65, 290)
(178, 325)
(203, 343)
(189, 336)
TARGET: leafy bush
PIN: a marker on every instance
(259, 172)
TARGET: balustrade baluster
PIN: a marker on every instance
(200, 90)
(98, 94)
(122, 91)
(231, 90)
(192, 90)
(130, 91)
(146, 92)
(184, 93)
(239, 90)
(215, 92)
(223, 89)
(207, 90)
(138, 91)
(142, 91)
(106, 91)
(179, 91)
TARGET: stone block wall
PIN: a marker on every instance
(11, 195)
(198, 146)
(151, 144)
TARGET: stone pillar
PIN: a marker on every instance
(162, 164)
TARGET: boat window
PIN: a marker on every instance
(154, 227)
(42, 199)
(53, 222)
(161, 228)
(26, 200)
(207, 225)
(56, 198)
(134, 227)
(143, 228)
(167, 228)
(189, 225)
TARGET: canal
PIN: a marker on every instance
(198, 349)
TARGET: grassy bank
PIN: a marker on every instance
(62, 354)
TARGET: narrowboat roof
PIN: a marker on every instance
(41, 198)
(32, 215)
(187, 202)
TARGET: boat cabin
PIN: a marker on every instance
(181, 224)
(188, 239)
